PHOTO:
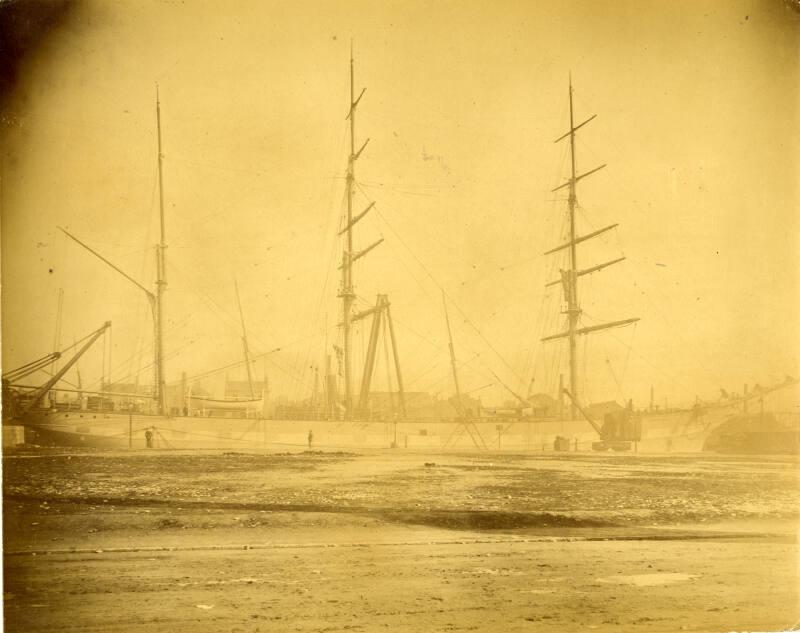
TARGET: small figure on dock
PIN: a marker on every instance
(148, 438)
(310, 438)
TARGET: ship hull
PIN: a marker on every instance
(679, 431)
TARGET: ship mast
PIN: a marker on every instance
(161, 278)
(573, 311)
(465, 421)
(459, 403)
(156, 300)
(347, 291)
(244, 342)
(569, 278)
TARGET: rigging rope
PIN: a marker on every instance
(452, 301)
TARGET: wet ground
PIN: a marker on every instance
(400, 541)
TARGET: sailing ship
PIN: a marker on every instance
(346, 418)
(555, 426)
(621, 428)
(117, 419)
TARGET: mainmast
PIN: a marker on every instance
(347, 292)
(573, 311)
(569, 277)
(161, 277)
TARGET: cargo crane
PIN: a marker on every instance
(17, 404)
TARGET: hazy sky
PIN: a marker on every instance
(697, 106)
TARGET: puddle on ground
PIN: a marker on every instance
(648, 580)
(489, 519)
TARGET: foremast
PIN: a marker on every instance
(569, 277)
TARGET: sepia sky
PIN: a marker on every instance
(697, 120)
